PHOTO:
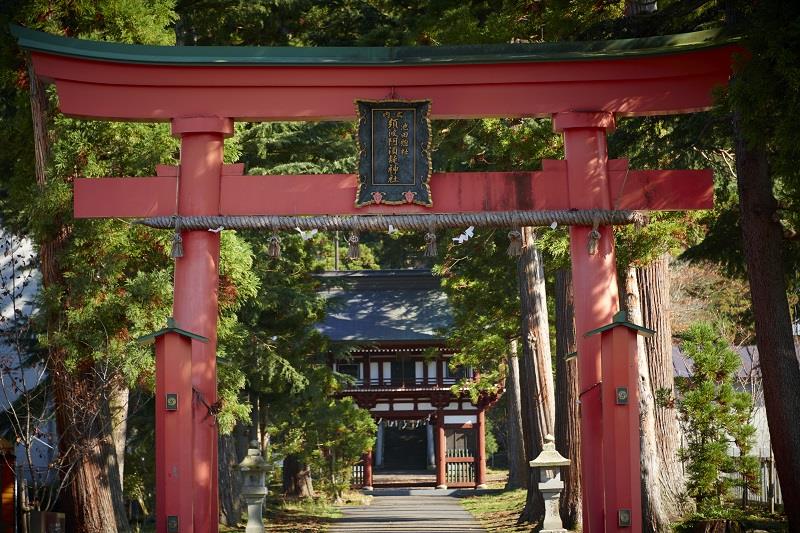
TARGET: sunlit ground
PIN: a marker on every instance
(498, 512)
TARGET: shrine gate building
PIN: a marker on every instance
(395, 322)
(201, 91)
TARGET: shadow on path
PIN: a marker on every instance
(408, 510)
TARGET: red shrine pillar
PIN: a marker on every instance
(8, 483)
(594, 279)
(196, 290)
(174, 468)
(621, 408)
(480, 459)
(441, 452)
(367, 459)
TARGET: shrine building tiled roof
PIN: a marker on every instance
(384, 307)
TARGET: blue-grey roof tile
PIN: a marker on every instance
(384, 306)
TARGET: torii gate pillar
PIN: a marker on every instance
(621, 416)
(594, 278)
(195, 301)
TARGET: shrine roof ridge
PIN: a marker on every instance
(37, 41)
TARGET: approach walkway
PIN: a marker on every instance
(408, 510)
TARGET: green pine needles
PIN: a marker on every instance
(715, 416)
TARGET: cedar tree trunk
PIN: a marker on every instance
(653, 281)
(536, 370)
(230, 485)
(654, 517)
(568, 430)
(296, 478)
(640, 7)
(763, 250)
(515, 445)
(118, 403)
(95, 488)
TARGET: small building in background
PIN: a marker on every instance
(394, 324)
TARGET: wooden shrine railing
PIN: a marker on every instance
(460, 468)
(357, 475)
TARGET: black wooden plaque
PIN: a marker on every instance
(394, 138)
(172, 401)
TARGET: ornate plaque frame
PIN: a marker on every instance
(394, 139)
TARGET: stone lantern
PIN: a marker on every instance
(549, 463)
(254, 488)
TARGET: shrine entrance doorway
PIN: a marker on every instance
(582, 87)
(404, 447)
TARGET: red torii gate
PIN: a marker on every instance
(203, 90)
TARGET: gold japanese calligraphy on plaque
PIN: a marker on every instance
(394, 152)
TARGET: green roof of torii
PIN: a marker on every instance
(367, 56)
(621, 319)
(171, 328)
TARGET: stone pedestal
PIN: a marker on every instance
(551, 494)
(549, 463)
(255, 520)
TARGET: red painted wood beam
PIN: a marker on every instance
(174, 432)
(367, 460)
(132, 197)
(662, 190)
(124, 197)
(657, 84)
(480, 459)
(656, 67)
(453, 192)
(647, 97)
(621, 453)
(195, 301)
(594, 277)
(441, 452)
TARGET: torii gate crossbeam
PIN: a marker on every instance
(202, 90)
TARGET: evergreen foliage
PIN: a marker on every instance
(716, 417)
(765, 97)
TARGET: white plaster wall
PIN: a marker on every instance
(460, 419)
(432, 371)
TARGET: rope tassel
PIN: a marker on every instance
(594, 238)
(515, 244)
(353, 249)
(274, 247)
(177, 240)
(431, 250)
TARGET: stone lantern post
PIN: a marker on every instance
(549, 463)
(254, 488)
